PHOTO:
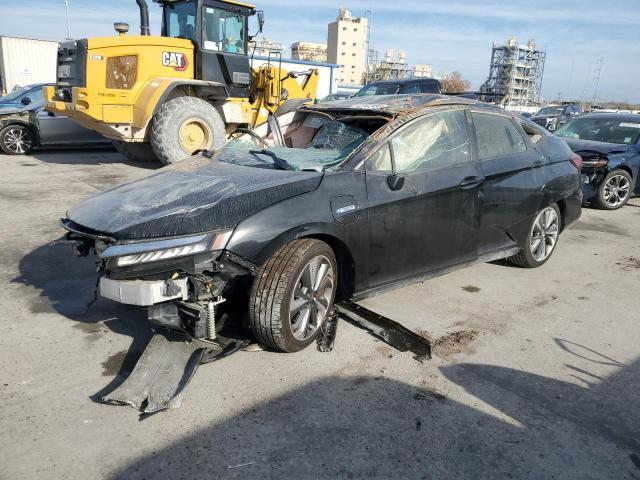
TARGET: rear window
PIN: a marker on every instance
(497, 136)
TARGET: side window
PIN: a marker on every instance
(429, 87)
(410, 88)
(434, 141)
(497, 136)
(380, 161)
(534, 133)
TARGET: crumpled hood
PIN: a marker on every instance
(197, 195)
(10, 108)
(600, 147)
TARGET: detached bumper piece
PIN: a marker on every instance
(166, 367)
(387, 330)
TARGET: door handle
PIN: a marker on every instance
(471, 182)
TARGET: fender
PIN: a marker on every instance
(158, 90)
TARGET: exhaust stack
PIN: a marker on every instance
(144, 17)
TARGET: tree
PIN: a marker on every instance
(454, 83)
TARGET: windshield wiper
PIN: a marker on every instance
(279, 162)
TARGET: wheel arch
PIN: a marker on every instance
(328, 234)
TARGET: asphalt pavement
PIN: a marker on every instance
(536, 373)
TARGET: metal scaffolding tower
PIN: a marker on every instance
(515, 74)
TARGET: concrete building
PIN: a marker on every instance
(346, 46)
(311, 52)
(423, 71)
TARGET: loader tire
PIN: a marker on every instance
(185, 125)
(292, 295)
(136, 152)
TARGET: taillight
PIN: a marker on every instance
(577, 161)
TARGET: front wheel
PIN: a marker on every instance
(293, 294)
(184, 125)
(541, 240)
(614, 191)
(17, 140)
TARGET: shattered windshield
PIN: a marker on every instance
(602, 130)
(331, 145)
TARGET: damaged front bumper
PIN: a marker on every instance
(184, 282)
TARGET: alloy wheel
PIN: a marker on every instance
(544, 234)
(311, 298)
(17, 140)
(616, 191)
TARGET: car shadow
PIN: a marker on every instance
(88, 155)
(371, 427)
(67, 285)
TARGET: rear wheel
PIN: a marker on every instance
(17, 140)
(137, 152)
(541, 240)
(183, 126)
(614, 191)
(293, 294)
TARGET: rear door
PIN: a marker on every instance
(512, 189)
(422, 188)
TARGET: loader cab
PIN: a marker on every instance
(219, 30)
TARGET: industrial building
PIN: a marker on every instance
(265, 47)
(310, 52)
(391, 68)
(346, 46)
(515, 74)
(423, 71)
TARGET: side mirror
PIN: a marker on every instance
(395, 182)
(25, 101)
(260, 21)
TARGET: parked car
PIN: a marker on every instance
(343, 200)
(25, 125)
(609, 144)
(526, 115)
(400, 87)
(554, 116)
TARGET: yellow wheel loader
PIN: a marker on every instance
(189, 89)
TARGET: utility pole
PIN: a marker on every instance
(369, 16)
(66, 8)
(596, 78)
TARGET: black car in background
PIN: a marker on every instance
(401, 87)
(342, 200)
(25, 124)
(555, 116)
(609, 144)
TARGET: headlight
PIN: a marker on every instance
(147, 252)
(122, 72)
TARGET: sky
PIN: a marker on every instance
(448, 34)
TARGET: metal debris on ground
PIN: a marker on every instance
(387, 330)
(327, 338)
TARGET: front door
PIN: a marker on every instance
(423, 199)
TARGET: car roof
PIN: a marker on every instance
(631, 117)
(405, 80)
(397, 105)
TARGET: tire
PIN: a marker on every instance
(530, 255)
(17, 140)
(614, 190)
(136, 152)
(279, 289)
(183, 126)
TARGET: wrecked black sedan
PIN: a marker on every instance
(338, 201)
(609, 144)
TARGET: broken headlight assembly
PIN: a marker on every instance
(124, 255)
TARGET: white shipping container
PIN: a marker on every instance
(24, 61)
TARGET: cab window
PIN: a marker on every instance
(223, 31)
(180, 20)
